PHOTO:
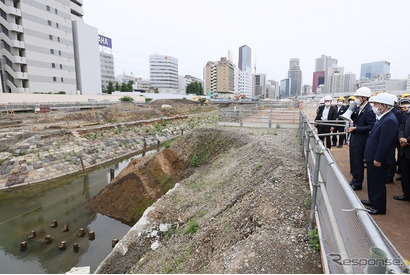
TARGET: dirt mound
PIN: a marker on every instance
(242, 211)
(146, 179)
(174, 102)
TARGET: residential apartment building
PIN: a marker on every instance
(163, 70)
(219, 78)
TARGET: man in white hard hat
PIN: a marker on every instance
(324, 113)
(379, 151)
(363, 120)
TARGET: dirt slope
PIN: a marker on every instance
(146, 179)
(242, 211)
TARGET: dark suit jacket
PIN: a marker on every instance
(341, 111)
(364, 124)
(381, 144)
(404, 132)
(331, 116)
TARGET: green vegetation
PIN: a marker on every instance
(192, 226)
(166, 144)
(277, 126)
(308, 201)
(314, 239)
(202, 213)
(195, 162)
(194, 88)
(126, 99)
(1, 161)
(257, 168)
(23, 152)
(167, 182)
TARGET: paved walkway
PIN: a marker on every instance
(396, 223)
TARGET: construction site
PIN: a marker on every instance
(227, 190)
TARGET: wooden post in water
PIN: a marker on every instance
(112, 171)
(158, 145)
(144, 150)
(82, 164)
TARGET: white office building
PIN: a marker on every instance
(163, 71)
(87, 58)
(37, 46)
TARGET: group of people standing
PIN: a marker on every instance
(378, 126)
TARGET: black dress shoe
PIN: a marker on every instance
(340, 146)
(373, 211)
(365, 202)
(401, 198)
(356, 187)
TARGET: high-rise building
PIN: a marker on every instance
(287, 88)
(335, 81)
(106, 62)
(245, 83)
(321, 65)
(272, 90)
(163, 71)
(219, 78)
(37, 52)
(380, 69)
(260, 85)
(295, 73)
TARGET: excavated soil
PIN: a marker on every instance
(239, 207)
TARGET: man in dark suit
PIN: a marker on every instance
(363, 119)
(325, 113)
(379, 151)
(404, 150)
(391, 171)
(341, 109)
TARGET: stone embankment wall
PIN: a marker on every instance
(44, 157)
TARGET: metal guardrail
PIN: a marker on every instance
(263, 115)
(349, 237)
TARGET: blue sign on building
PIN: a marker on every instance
(104, 41)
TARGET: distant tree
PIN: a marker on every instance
(156, 91)
(123, 87)
(110, 87)
(117, 86)
(129, 86)
(195, 88)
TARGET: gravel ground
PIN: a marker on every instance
(243, 210)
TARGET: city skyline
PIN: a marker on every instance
(354, 32)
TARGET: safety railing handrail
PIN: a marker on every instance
(373, 232)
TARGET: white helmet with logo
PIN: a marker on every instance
(363, 91)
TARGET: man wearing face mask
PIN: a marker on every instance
(325, 113)
(404, 150)
(341, 109)
(379, 151)
(363, 121)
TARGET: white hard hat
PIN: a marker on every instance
(363, 91)
(328, 97)
(383, 98)
(322, 100)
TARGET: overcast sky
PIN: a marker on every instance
(197, 31)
